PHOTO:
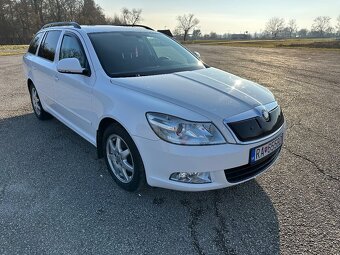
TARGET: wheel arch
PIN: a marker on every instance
(29, 84)
(103, 124)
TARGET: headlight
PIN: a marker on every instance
(179, 131)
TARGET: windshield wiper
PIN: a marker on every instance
(153, 72)
(126, 75)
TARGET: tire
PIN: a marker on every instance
(122, 158)
(36, 104)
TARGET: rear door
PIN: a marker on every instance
(45, 68)
(30, 57)
(74, 91)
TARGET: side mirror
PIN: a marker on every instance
(70, 65)
(197, 54)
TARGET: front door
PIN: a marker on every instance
(74, 91)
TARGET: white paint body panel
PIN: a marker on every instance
(81, 102)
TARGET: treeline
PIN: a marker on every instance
(21, 19)
(321, 27)
(276, 28)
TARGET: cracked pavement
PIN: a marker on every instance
(57, 198)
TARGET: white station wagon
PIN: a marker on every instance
(153, 109)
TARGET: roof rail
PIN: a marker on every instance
(166, 32)
(127, 25)
(58, 24)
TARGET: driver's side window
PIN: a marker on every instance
(165, 51)
(72, 48)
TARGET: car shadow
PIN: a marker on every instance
(56, 196)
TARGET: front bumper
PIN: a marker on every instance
(161, 159)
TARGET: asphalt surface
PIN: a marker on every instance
(57, 198)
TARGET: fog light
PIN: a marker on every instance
(191, 177)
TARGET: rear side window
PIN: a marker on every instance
(72, 48)
(49, 45)
(35, 43)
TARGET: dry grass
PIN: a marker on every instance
(287, 43)
(7, 50)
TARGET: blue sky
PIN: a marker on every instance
(229, 15)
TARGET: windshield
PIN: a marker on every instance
(128, 54)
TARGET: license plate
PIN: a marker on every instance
(264, 150)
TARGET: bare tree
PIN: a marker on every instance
(196, 34)
(275, 26)
(91, 13)
(177, 33)
(213, 35)
(131, 17)
(302, 32)
(186, 23)
(38, 11)
(322, 25)
(116, 20)
(338, 25)
(292, 27)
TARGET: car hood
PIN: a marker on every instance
(207, 91)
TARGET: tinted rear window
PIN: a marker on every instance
(49, 45)
(35, 43)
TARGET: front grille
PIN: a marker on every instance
(245, 172)
(256, 128)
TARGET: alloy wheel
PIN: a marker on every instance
(120, 159)
(36, 101)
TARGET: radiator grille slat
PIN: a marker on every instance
(245, 172)
(256, 128)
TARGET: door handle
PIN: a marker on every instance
(56, 78)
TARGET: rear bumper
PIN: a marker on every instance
(161, 159)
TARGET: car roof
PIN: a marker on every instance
(101, 28)
(109, 28)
